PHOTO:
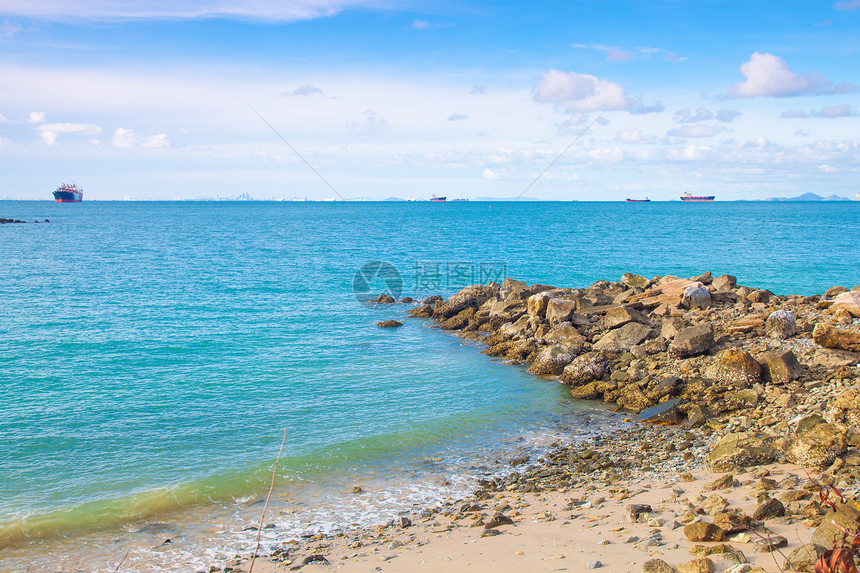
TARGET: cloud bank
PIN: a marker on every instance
(582, 93)
(768, 75)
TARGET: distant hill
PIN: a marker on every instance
(810, 197)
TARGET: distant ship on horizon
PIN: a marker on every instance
(66, 193)
(645, 200)
(690, 198)
(437, 199)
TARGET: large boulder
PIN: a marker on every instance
(538, 303)
(623, 339)
(696, 296)
(632, 398)
(560, 309)
(843, 516)
(780, 367)
(512, 288)
(551, 360)
(470, 297)
(724, 283)
(832, 337)
(818, 447)
(585, 368)
(780, 324)
(621, 315)
(740, 449)
(735, 367)
(845, 408)
(849, 301)
(631, 280)
(663, 413)
(567, 334)
(692, 340)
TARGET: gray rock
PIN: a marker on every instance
(552, 360)
(623, 339)
(780, 324)
(695, 297)
(585, 368)
(663, 413)
(621, 315)
(740, 449)
(593, 565)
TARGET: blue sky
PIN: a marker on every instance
(160, 100)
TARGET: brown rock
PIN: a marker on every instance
(537, 304)
(385, 299)
(701, 565)
(656, 566)
(818, 447)
(560, 309)
(623, 339)
(692, 341)
(621, 315)
(843, 516)
(732, 522)
(803, 558)
(631, 280)
(389, 324)
(552, 360)
(832, 337)
(739, 449)
(845, 408)
(632, 398)
(703, 531)
(726, 481)
(780, 367)
(725, 282)
(849, 301)
(768, 509)
(588, 391)
(735, 367)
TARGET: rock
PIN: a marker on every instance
(512, 288)
(593, 565)
(701, 565)
(634, 510)
(724, 282)
(818, 447)
(692, 341)
(588, 391)
(735, 367)
(566, 334)
(663, 413)
(559, 310)
(849, 301)
(389, 324)
(832, 337)
(770, 543)
(769, 509)
(803, 558)
(631, 280)
(739, 449)
(623, 339)
(671, 327)
(727, 560)
(780, 324)
(632, 398)
(834, 291)
(621, 315)
(780, 367)
(696, 297)
(552, 360)
(732, 522)
(656, 566)
(585, 368)
(705, 278)
(498, 520)
(470, 297)
(808, 423)
(740, 400)
(845, 408)
(385, 299)
(423, 311)
(842, 516)
(726, 481)
(537, 304)
(459, 320)
(762, 296)
(703, 531)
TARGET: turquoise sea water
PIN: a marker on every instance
(151, 354)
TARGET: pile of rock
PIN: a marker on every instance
(778, 375)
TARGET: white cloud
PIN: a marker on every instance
(769, 75)
(137, 9)
(303, 91)
(696, 131)
(634, 136)
(580, 92)
(127, 138)
(847, 5)
(9, 30)
(727, 115)
(420, 25)
(369, 123)
(3, 118)
(476, 89)
(686, 116)
(457, 117)
(36, 117)
(51, 131)
(828, 112)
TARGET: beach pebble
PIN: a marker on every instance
(593, 565)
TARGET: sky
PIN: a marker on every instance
(557, 100)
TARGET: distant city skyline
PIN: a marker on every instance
(156, 100)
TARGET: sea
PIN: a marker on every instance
(155, 358)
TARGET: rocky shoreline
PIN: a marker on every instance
(735, 391)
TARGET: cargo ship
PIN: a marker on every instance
(687, 197)
(645, 200)
(437, 199)
(68, 194)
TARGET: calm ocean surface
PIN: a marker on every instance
(151, 355)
